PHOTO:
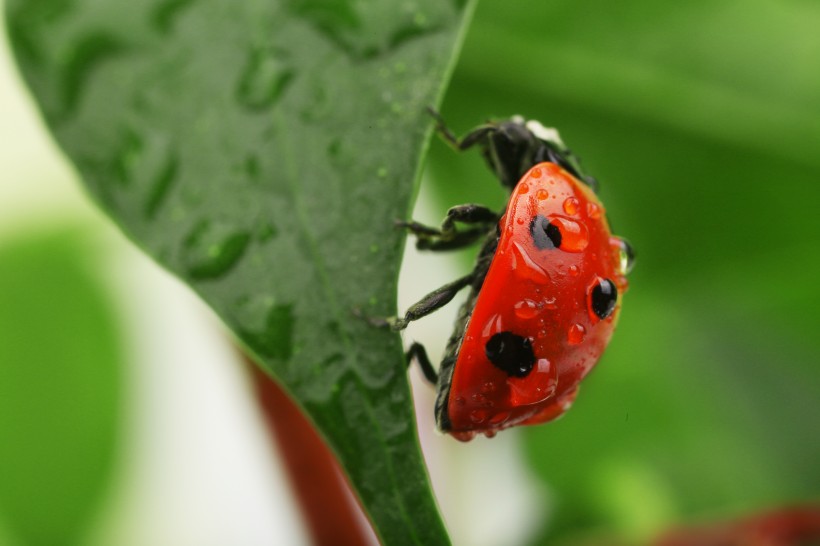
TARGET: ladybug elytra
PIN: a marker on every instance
(545, 291)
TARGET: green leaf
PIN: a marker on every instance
(61, 362)
(262, 150)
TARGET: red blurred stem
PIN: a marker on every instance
(332, 515)
(796, 526)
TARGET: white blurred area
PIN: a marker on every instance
(195, 465)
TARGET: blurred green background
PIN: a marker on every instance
(701, 120)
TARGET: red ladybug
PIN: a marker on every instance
(545, 291)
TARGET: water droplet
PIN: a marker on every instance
(165, 14)
(626, 254)
(499, 417)
(78, 63)
(373, 301)
(519, 221)
(490, 433)
(374, 248)
(382, 172)
(542, 194)
(523, 187)
(573, 270)
(266, 75)
(574, 235)
(536, 173)
(266, 231)
(460, 401)
(571, 206)
(213, 249)
(149, 163)
(526, 309)
(526, 268)
(478, 416)
(275, 339)
(550, 303)
(594, 210)
(488, 387)
(539, 385)
(576, 334)
(492, 327)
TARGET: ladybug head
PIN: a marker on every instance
(514, 146)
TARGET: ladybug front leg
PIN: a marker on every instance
(417, 353)
(448, 237)
(429, 303)
(477, 135)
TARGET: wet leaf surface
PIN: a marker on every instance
(261, 151)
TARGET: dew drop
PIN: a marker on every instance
(574, 235)
(526, 268)
(490, 433)
(523, 187)
(478, 416)
(526, 309)
(576, 334)
(382, 172)
(571, 206)
(626, 254)
(542, 194)
(266, 75)
(536, 173)
(573, 271)
(488, 387)
(499, 417)
(537, 387)
(594, 210)
(211, 250)
(460, 401)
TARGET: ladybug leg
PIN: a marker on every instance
(429, 303)
(468, 214)
(448, 237)
(479, 134)
(418, 353)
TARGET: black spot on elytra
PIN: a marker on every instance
(604, 297)
(545, 234)
(511, 353)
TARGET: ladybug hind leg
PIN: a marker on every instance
(478, 135)
(429, 303)
(417, 353)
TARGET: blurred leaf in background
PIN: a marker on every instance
(61, 364)
(702, 122)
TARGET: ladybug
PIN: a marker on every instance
(545, 292)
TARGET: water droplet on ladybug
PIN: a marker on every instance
(526, 309)
(571, 206)
(536, 173)
(594, 211)
(523, 187)
(488, 387)
(576, 334)
(526, 268)
(574, 235)
(478, 416)
(490, 433)
(542, 194)
(460, 401)
(573, 270)
(626, 254)
(537, 387)
(499, 417)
